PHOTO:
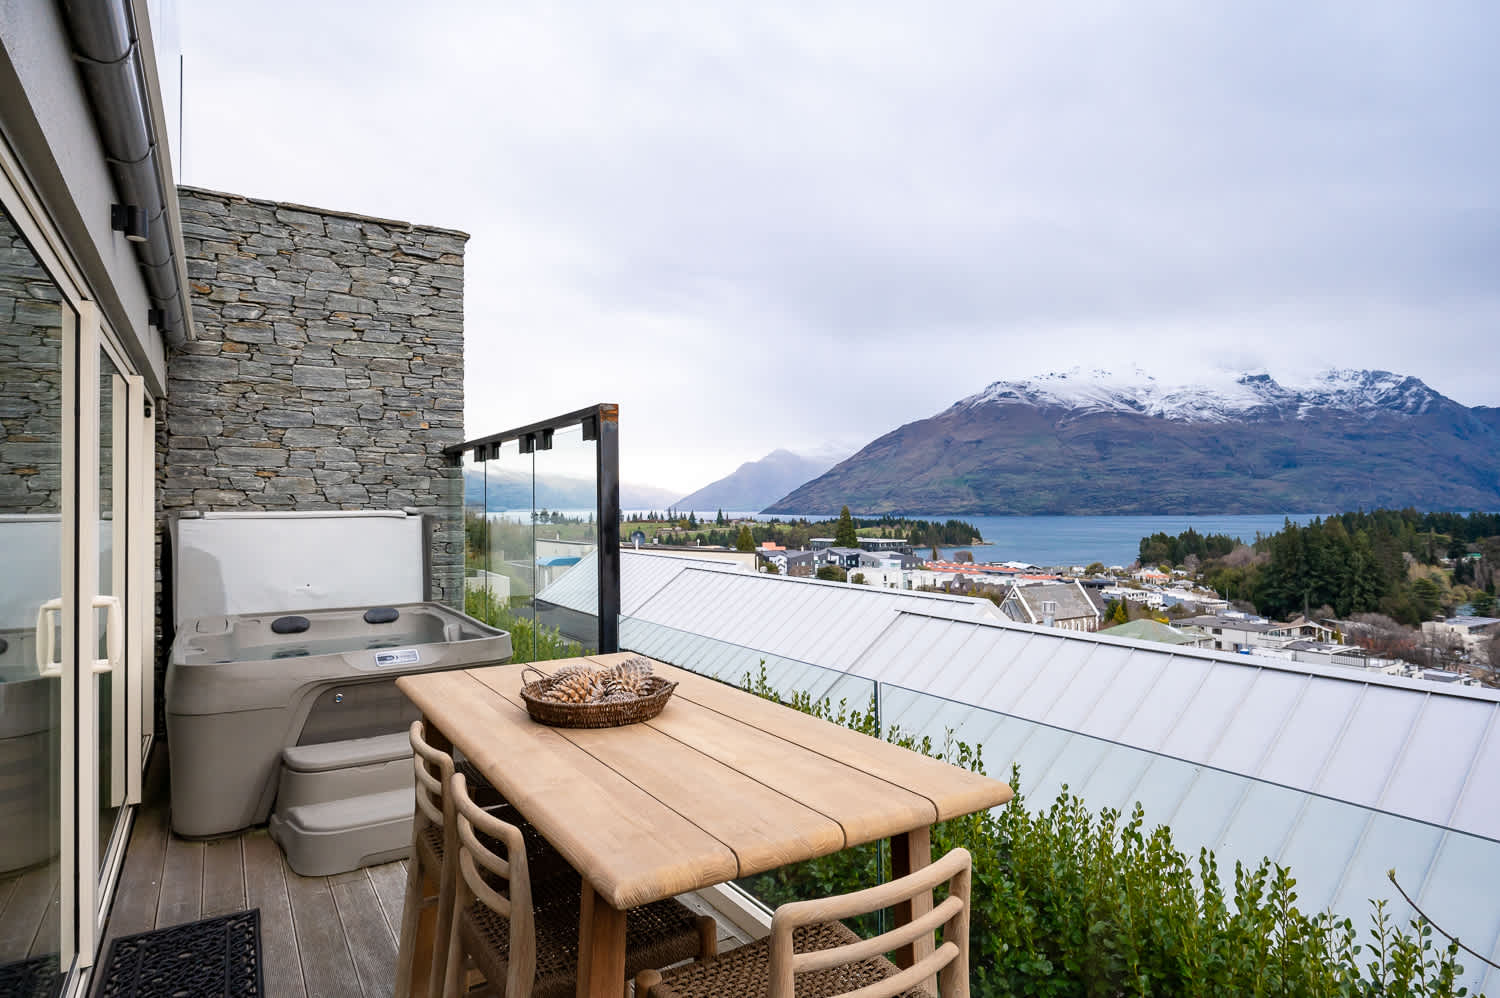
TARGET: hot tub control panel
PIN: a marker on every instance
(397, 656)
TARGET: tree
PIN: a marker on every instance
(843, 534)
(858, 578)
(692, 520)
(744, 542)
(832, 573)
(770, 568)
(1483, 604)
(1095, 568)
(1118, 613)
(964, 557)
(719, 520)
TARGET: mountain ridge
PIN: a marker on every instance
(1099, 443)
(756, 483)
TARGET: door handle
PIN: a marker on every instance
(114, 634)
(45, 638)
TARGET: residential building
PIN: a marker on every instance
(1467, 633)
(799, 564)
(1065, 605)
(845, 558)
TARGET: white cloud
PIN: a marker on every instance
(784, 225)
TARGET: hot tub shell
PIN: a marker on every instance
(238, 694)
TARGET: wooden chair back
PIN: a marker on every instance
(474, 856)
(950, 961)
(434, 769)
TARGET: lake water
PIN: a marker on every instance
(1078, 540)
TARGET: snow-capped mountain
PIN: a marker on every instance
(1230, 398)
(1101, 442)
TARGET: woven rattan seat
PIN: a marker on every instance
(747, 969)
(810, 954)
(656, 935)
(525, 944)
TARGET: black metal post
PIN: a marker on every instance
(608, 457)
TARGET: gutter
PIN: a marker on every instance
(111, 61)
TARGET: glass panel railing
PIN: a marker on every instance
(541, 519)
(565, 536)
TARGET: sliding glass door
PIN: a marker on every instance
(76, 584)
(35, 325)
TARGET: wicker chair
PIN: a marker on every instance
(810, 954)
(434, 839)
(527, 948)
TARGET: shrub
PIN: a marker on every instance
(530, 641)
(1067, 902)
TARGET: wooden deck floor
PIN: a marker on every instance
(327, 937)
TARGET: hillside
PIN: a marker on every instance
(756, 484)
(1096, 443)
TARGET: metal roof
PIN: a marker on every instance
(1338, 773)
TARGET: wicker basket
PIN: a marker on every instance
(592, 715)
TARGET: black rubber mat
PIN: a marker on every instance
(217, 956)
(35, 978)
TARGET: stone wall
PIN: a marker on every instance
(327, 369)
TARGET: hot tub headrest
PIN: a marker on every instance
(381, 615)
(290, 625)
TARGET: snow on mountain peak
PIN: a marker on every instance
(1218, 398)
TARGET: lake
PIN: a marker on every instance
(1077, 540)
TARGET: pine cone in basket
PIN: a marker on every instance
(631, 678)
(576, 686)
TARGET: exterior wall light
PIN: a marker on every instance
(129, 219)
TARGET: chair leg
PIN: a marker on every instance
(411, 915)
(708, 938)
(447, 881)
(453, 966)
(645, 981)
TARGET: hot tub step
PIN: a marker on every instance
(337, 836)
(312, 774)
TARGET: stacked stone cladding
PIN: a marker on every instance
(326, 371)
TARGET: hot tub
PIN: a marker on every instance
(243, 687)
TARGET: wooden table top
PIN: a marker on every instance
(721, 784)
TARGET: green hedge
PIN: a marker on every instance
(1067, 902)
(530, 641)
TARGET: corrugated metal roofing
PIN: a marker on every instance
(1338, 773)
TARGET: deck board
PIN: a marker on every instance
(371, 943)
(181, 897)
(265, 888)
(389, 881)
(223, 877)
(327, 967)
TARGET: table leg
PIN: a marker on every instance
(909, 853)
(601, 947)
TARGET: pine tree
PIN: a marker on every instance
(745, 541)
(719, 520)
(844, 535)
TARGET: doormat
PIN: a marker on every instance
(217, 956)
(34, 978)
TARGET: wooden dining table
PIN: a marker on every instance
(721, 784)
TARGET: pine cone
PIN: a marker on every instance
(631, 678)
(576, 686)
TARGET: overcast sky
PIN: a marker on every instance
(801, 225)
